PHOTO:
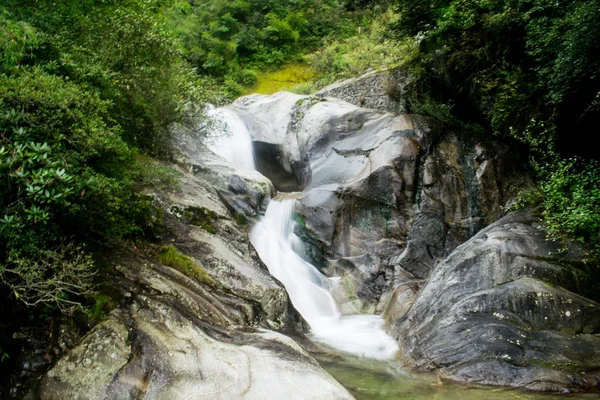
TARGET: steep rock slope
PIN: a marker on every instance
(383, 196)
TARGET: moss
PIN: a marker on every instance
(299, 219)
(200, 217)
(102, 305)
(566, 366)
(283, 79)
(241, 219)
(172, 257)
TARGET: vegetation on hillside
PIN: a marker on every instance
(525, 69)
(86, 89)
(234, 41)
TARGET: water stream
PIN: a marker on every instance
(230, 138)
(277, 245)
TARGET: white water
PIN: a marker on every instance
(231, 138)
(277, 245)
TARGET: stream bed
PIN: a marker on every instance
(370, 379)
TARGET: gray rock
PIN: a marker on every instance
(375, 184)
(379, 90)
(151, 351)
(502, 309)
(177, 336)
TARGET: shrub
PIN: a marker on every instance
(55, 278)
(572, 202)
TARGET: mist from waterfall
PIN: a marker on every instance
(277, 245)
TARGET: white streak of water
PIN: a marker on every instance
(230, 138)
(277, 245)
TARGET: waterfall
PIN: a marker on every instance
(274, 239)
(277, 245)
(230, 138)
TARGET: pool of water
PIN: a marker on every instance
(370, 379)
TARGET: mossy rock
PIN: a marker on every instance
(172, 257)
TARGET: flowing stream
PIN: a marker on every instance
(277, 245)
(230, 138)
(274, 239)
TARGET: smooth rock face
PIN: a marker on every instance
(242, 190)
(502, 309)
(151, 351)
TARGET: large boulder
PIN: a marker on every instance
(503, 309)
(150, 350)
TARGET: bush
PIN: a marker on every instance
(523, 69)
(84, 87)
(572, 202)
(54, 278)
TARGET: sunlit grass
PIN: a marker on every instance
(285, 78)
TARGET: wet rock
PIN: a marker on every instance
(244, 191)
(176, 336)
(503, 309)
(373, 183)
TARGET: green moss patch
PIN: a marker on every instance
(172, 257)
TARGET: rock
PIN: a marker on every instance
(373, 183)
(151, 351)
(88, 370)
(503, 309)
(379, 90)
(196, 219)
(177, 336)
(243, 190)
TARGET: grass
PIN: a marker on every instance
(284, 78)
(172, 257)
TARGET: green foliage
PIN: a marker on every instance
(174, 258)
(102, 305)
(234, 40)
(369, 49)
(524, 69)
(83, 86)
(3, 355)
(53, 278)
(572, 202)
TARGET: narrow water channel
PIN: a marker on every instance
(278, 247)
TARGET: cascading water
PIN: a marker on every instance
(231, 139)
(277, 245)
